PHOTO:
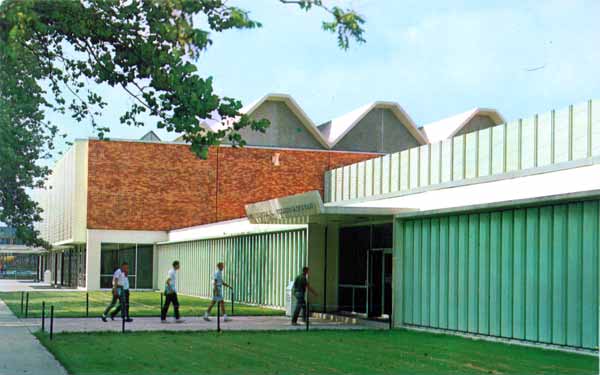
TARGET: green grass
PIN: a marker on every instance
(299, 352)
(72, 304)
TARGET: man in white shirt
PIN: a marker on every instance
(171, 294)
(115, 294)
(121, 286)
(218, 284)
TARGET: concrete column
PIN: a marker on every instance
(92, 261)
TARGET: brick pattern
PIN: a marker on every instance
(158, 186)
(149, 186)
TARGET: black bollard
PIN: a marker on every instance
(22, 295)
(307, 312)
(219, 316)
(87, 305)
(43, 315)
(232, 301)
(51, 321)
(26, 305)
(123, 324)
(161, 301)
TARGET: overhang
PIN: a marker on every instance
(307, 208)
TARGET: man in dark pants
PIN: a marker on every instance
(121, 281)
(171, 295)
(301, 286)
(117, 288)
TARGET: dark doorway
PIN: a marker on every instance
(365, 270)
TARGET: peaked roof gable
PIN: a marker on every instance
(217, 124)
(151, 136)
(335, 130)
(450, 126)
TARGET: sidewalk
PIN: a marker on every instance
(238, 323)
(20, 351)
(7, 285)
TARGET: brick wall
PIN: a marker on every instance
(158, 186)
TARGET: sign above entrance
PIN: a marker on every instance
(286, 208)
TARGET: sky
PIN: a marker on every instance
(434, 58)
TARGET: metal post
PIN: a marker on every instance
(122, 321)
(325, 272)
(353, 292)
(87, 305)
(22, 296)
(51, 321)
(219, 316)
(232, 302)
(43, 315)
(307, 311)
(161, 301)
(26, 304)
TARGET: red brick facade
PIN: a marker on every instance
(159, 186)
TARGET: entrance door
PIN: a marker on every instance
(387, 282)
(380, 282)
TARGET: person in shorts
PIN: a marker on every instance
(217, 284)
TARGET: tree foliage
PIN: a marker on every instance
(57, 56)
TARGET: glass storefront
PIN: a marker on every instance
(138, 256)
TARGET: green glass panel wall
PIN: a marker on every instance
(528, 273)
(258, 266)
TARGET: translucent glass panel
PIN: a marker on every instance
(458, 158)
(404, 172)
(484, 147)
(595, 109)
(471, 155)
(580, 131)
(414, 168)
(446, 149)
(512, 146)
(498, 149)
(395, 172)
(528, 143)
(385, 174)
(424, 165)
(561, 136)
(436, 153)
(544, 136)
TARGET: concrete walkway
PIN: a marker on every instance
(20, 351)
(241, 323)
(7, 285)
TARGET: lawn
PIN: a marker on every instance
(73, 304)
(299, 352)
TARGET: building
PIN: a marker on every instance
(485, 227)
(492, 232)
(16, 259)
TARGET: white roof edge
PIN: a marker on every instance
(400, 113)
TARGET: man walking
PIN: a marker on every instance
(218, 292)
(122, 283)
(171, 295)
(115, 294)
(301, 286)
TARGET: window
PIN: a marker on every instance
(138, 256)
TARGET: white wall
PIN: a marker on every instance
(95, 237)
